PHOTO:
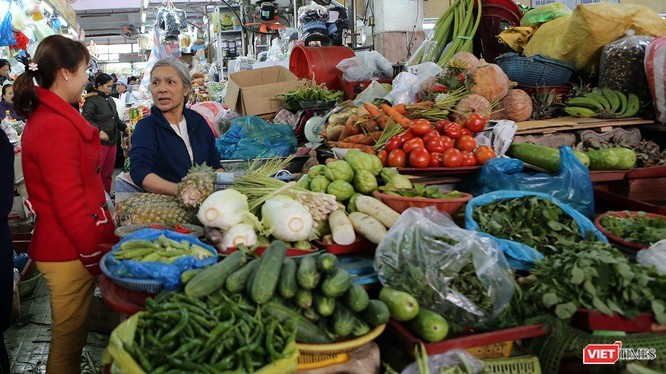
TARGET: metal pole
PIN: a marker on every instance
(353, 29)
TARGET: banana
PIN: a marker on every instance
(633, 105)
(580, 112)
(623, 103)
(613, 99)
(585, 102)
(600, 99)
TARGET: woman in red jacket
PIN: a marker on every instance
(61, 166)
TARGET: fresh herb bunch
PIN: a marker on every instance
(309, 90)
(531, 220)
(637, 228)
(595, 275)
(420, 190)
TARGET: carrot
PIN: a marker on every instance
(368, 149)
(349, 145)
(401, 108)
(350, 127)
(359, 139)
(376, 134)
(372, 109)
(399, 118)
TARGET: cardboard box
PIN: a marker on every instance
(578, 2)
(252, 92)
(571, 4)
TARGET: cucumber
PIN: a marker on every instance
(250, 280)
(336, 284)
(266, 279)
(187, 275)
(343, 321)
(360, 327)
(311, 314)
(617, 158)
(544, 157)
(236, 282)
(377, 313)
(323, 304)
(327, 263)
(356, 298)
(307, 274)
(303, 298)
(212, 278)
(306, 331)
(287, 284)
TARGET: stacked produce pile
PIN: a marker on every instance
(161, 250)
(547, 158)
(603, 103)
(310, 94)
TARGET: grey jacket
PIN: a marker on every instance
(100, 111)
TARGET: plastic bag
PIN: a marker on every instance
(365, 67)
(572, 185)
(312, 24)
(168, 274)
(375, 90)
(654, 256)
(252, 137)
(521, 256)
(622, 66)
(455, 358)
(424, 253)
(544, 13)
(655, 69)
(405, 88)
(6, 34)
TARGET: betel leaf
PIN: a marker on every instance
(659, 311)
(614, 307)
(577, 275)
(549, 299)
(589, 287)
(554, 225)
(566, 310)
(601, 306)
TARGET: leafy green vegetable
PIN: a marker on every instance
(422, 191)
(309, 90)
(637, 228)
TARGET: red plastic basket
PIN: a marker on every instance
(595, 320)
(617, 239)
(360, 245)
(401, 203)
(291, 252)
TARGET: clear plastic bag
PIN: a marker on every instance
(365, 67)
(572, 185)
(375, 90)
(405, 88)
(654, 256)
(622, 66)
(456, 358)
(452, 271)
(544, 13)
(168, 274)
(519, 255)
(655, 69)
(252, 137)
(312, 24)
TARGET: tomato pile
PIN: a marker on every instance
(447, 144)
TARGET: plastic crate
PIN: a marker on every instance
(535, 70)
(513, 365)
(595, 320)
(134, 284)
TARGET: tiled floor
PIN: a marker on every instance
(28, 340)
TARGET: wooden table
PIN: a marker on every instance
(553, 125)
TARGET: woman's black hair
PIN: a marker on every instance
(102, 79)
(4, 62)
(4, 90)
(53, 53)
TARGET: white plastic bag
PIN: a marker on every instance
(405, 88)
(375, 90)
(365, 67)
(654, 256)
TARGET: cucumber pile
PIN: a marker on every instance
(318, 297)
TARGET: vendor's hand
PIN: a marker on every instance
(103, 136)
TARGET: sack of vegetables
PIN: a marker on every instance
(528, 225)
(452, 271)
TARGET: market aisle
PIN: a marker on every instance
(28, 341)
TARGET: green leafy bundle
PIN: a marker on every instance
(637, 227)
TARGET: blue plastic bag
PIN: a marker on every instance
(6, 34)
(519, 255)
(572, 185)
(252, 137)
(167, 274)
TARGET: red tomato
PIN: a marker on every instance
(383, 156)
(483, 154)
(435, 160)
(452, 158)
(475, 123)
(437, 145)
(406, 136)
(448, 142)
(393, 142)
(453, 130)
(465, 131)
(465, 143)
(419, 158)
(412, 144)
(441, 125)
(468, 158)
(397, 158)
(432, 134)
(420, 127)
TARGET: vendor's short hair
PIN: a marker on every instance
(176, 64)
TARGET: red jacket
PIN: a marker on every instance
(61, 166)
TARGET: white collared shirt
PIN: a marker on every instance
(181, 130)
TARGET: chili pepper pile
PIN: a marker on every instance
(182, 333)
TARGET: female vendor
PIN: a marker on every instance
(173, 138)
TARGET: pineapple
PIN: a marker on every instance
(145, 208)
(196, 186)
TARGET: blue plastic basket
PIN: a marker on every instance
(134, 284)
(535, 70)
